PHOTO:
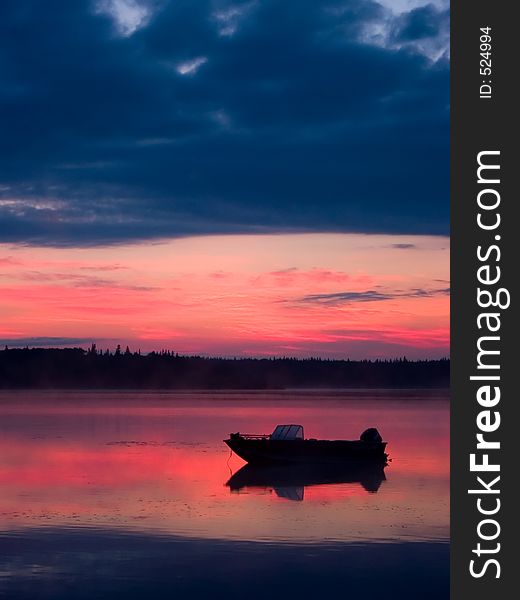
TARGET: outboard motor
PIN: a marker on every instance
(371, 435)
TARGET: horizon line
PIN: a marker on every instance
(175, 354)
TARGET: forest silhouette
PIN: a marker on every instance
(69, 368)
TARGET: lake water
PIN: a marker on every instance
(134, 495)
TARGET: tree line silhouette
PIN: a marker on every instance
(56, 368)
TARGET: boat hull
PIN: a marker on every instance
(268, 451)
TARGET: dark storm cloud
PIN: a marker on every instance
(423, 22)
(215, 117)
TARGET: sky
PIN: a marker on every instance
(226, 178)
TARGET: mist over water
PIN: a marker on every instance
(143, 484)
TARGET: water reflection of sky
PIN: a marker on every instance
(155, 463)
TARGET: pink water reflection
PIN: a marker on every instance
(157, 462)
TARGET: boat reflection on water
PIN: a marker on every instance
(289, 480)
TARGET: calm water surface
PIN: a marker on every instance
(134, 495)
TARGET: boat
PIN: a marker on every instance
(288, 480)
(287, 444)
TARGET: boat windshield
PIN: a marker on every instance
(287, 432)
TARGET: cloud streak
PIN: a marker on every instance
(338, 298)
(44, 342)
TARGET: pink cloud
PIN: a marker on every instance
(235, 295)
(9, 261)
